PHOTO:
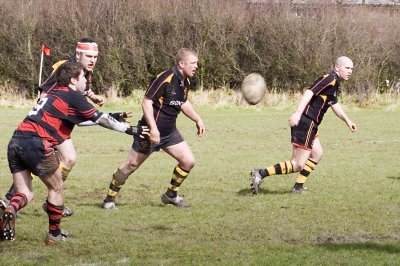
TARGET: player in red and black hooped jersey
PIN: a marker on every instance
(307, 149)
(165, 98)
(86, 54)
(55, 116)
(32, 147)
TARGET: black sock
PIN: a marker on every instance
(298, 186)
(263, 173)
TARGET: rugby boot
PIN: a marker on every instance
(299, 190)
(255, 180)
(67, 212)
(7, 225)
(51, 240)
(109, 205)
(177, 201)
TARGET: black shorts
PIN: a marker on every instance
(304, 133)
(144, 146)
(32, 153)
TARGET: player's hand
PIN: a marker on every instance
(352, 126)
(294, 119)
(154, 136)
(141, 131)
(201, 129)
(97, 99)
(121, 116)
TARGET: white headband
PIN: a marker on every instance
(89, 48)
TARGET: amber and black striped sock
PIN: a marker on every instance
(281, 168)
(55, 214)
(304, 173)
(178, 176)
(117, 182)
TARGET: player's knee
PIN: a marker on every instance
(131, 166)
(317, 156)
(296, 166)
(188, 164)
(69, 162)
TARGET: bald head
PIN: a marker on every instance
(344, 67)
(343, 60)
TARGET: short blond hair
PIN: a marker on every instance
(183, 53)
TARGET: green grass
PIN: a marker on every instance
(350, 217)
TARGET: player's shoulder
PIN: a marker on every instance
(67, 93)
(58, 64)
(166, 75)
(326, 78)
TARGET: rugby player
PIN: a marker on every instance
(32, 147)
(86, 54)
(165, 98)
(304, 122)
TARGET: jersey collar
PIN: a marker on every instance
(178, 74)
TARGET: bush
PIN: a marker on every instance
(290, 45)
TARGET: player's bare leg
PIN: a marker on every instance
(306, 162)
(67, 154)
(135, 159)
(186, 161)
(317, 151)
(296, 164)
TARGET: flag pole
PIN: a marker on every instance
(40, 69)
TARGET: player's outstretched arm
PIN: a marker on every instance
(107, 121)
(188, 110)
(338, 110)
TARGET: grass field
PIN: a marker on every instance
(349, 217)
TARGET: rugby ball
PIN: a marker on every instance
(253, 88)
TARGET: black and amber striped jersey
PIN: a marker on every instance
(168, 91)
(50, 83)
(54, 116)
(325, 90)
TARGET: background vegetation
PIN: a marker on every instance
(349, 217)
(288, 44)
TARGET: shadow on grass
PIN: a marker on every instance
(394, 177)
(151, 203)
(388, 248)
(248, 192)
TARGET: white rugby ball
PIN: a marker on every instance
(253, 88)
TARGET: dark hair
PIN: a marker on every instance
(86, 40)
(66, 72)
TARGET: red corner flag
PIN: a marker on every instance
(45, 50)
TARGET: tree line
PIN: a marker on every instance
(286, 43)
